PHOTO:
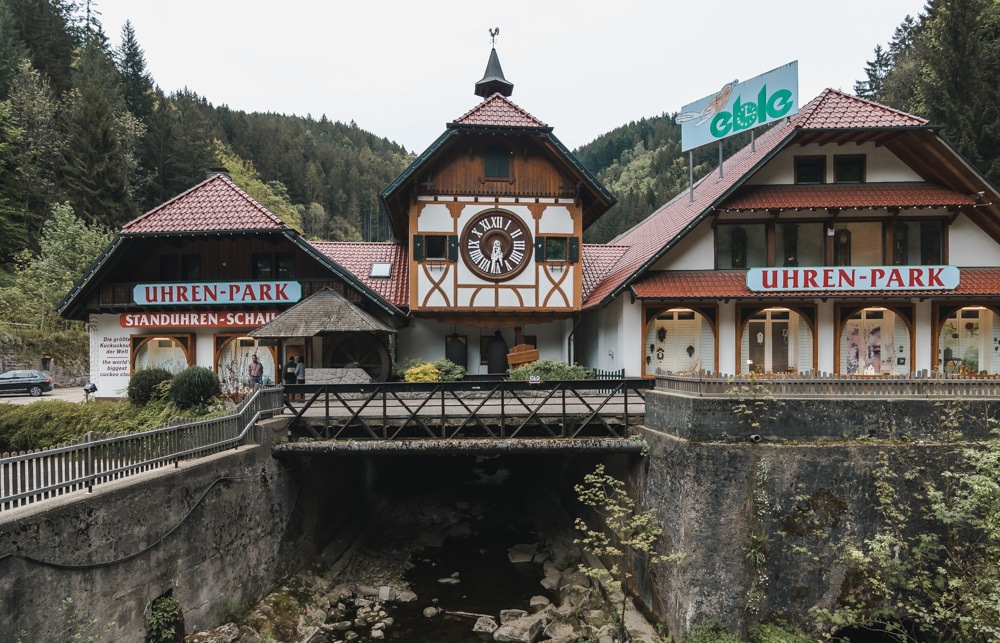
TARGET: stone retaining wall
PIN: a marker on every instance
(703, 418)
(219, 532)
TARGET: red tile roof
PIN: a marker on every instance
(837, 110)
(863, 195)
(357, 258)
(646, 241)
(500, 111)
(597, 260)
(214, 204)
(731, 284)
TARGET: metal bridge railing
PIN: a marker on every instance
(487, 409)
(35, 475)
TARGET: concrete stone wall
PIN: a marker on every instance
(700, 418)
(219, 532)
(818, 497)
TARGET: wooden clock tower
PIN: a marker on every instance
(493, 214)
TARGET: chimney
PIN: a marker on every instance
(215, 171)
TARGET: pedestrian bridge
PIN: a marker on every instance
(453, 417)
(486, 417)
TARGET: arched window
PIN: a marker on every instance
(497, 163)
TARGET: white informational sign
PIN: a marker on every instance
(110, 350)
(738, 107)
(218, 293)
(853, 278)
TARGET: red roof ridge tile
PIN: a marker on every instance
(499, 110)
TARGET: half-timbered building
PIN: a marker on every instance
(849, 238)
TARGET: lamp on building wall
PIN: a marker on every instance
(760, 338)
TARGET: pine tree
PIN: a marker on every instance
(875, 72)
(137, 86)
(15, 220)
(98, 163)
(45, 28)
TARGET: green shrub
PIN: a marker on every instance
(450, 371)
(45, 424)
(144, 386)
(165, 624)
(551, 369)
(774, 634)
(447, 370)
(194, 386)
(710, 633)
(425, 372)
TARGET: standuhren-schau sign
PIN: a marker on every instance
(738, 107)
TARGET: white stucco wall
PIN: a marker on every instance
(727, 338)
(696, 251)
(969, 246)
(882, 166)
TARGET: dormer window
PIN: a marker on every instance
(497, 163)
(849, 169)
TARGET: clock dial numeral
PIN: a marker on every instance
(495, 245)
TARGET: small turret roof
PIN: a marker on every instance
(493, 81)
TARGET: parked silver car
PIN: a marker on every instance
(34, 383)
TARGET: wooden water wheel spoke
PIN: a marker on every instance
(361, 350)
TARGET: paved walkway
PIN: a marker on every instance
(67, 394)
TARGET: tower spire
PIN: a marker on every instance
(493, 80)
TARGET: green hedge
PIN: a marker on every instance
(44, 424)
(550, 369)
(194, 386)
(145, 385)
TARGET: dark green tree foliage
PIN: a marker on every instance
(39, 152)
(97, 168)
(47, 32)
(642, 165)
(944, 65)
(15, 222)
(137, 86)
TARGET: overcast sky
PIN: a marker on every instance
(402, 70)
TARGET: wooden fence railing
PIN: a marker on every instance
(32, 476)
(832, 385)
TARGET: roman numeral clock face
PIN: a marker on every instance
(495, 245)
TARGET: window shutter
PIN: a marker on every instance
(539, 248)
(574, 249)
(418, 247)
(452, 247)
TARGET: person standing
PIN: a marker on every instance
(300, 374)
(289, 375)
(256, 372)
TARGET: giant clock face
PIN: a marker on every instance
(495, 245)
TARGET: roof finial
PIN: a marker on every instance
(494, 32)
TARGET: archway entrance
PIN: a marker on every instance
(969, 342)
(161, 352)
(679, 340)
(875, 341)
(233, 362)
(776, 340)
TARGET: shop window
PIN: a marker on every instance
(919, 241)
(858, 244)
(183, 267)
(497, 163)
(741, 246)
(273, 265)
(849, 169)
(810, 170)
(969, 343)
(799, 244)
(874, 341)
